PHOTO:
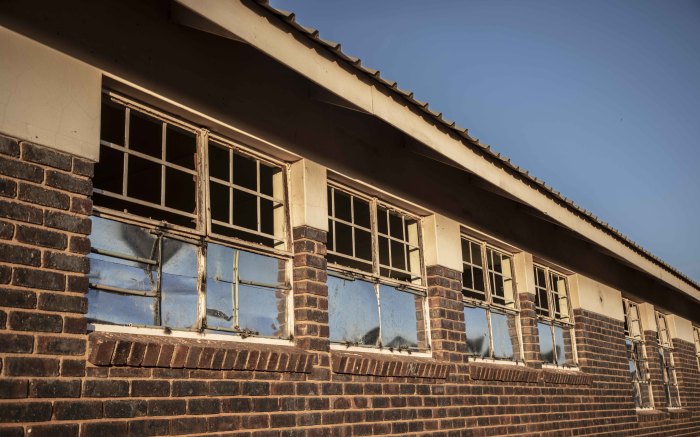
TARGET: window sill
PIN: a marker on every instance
(485, 371)
(387, 365)
(123, 349)
(566, 376)
(651, 415)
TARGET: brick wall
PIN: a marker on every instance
(56, 379)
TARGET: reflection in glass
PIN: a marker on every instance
(562, 354)
(261, 310)
(502, 344)
(120, 273)
(122, 238)
(120, 309)
(220, 311)
(260, 268)
(398, 317)
(546, 344)
(352, 311)
(477, 331)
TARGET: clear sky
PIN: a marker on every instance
(600, 99)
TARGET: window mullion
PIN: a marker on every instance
(164, 131)
(125, 169)
(159, 293)
(375, 237)
(485, 272)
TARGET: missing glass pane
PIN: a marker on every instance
(341, 208)
(181, 147)
(109, 177)
(343, 239)
(245, 209)
(245, 172)
(219, 162)
(220, 202)
(180, 192)
(361, 212)
(112, 123)
(145, 134)
(144, 180)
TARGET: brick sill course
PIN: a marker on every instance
(480, 371)
(119, 349)
(353, 363)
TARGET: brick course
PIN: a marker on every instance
(58, 380)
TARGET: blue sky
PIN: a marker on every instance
(600, 99)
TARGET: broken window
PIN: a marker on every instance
(636, 356)
(490, 312)
(375, 269)
(668, 368)
(161, 201)
(555, 324)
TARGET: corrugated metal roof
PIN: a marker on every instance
(335, 48)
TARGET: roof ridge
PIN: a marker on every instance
(335, 48)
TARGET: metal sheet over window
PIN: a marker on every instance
(261, 310)
(398, 317)
(120, 309)
(353, 312)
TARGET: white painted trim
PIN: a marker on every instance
(384, 351)
(159, 332)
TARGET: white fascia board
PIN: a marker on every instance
(322, 68)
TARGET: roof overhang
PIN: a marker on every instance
(254, 24)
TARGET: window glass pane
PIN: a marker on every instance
(353, 311)
(261, 269)
(123, 238)
(262, 310)
(502, 343)
(120, 309)
(145, 134)
(181, 147)
(546, 343)
(220, 262)
(116, 272)
(219, 303)
(560, 344)
(179, 284)
(398, 317)
(477, 331)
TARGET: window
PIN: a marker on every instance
(554, 313)
(696, 334)
(490, 311)
(637, 356)
(668, 369)
(190, 230)
(376, 289)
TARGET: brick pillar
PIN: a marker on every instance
(449, 340)
(687, 373)
(530, 333)
(311, 331)
(44, 223)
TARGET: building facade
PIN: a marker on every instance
(213, 222)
